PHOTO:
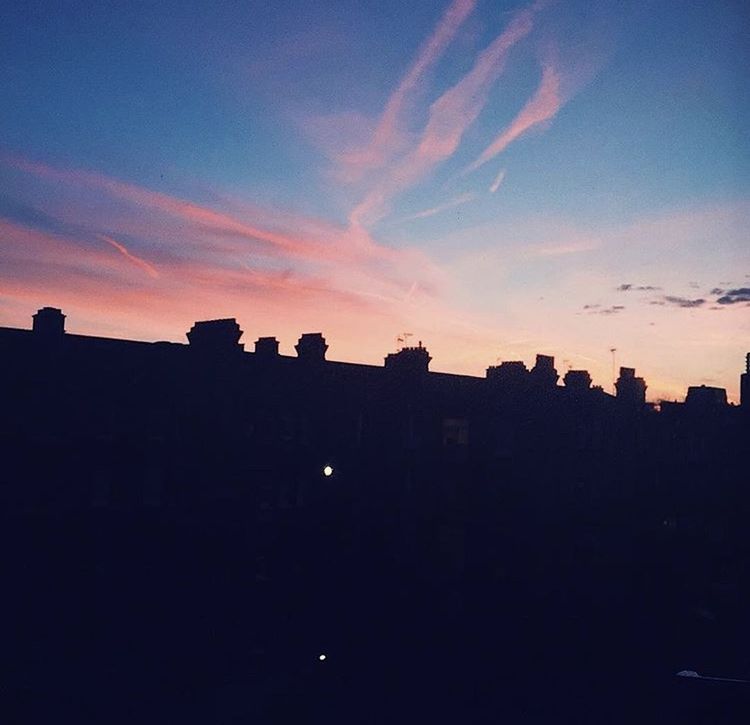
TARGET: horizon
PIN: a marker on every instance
(507, 179)
(289, 351)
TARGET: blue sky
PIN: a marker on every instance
(490, 176)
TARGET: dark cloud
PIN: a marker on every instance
(590, 307)
(732, 296)
(637, 288)
(613, 310)
(717, 291)
(683, 301)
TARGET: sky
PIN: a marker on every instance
(497, 179)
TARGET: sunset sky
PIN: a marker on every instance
(499, 179)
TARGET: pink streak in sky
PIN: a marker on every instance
(202, 216)
(450, 115)
(445, 206)
(386, 135)
(149, 269)
(542, 106)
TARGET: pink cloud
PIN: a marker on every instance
(542, 106)
(450, 115)
(450, 204)
(345, 252)
(149, 269)
(495, 185)
(387, 135)
(197, 263)
(199, 215)
(41, 266)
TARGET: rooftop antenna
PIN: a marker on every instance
(613, 350)
(402, 339)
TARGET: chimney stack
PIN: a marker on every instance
(49, 324)
(311, 347)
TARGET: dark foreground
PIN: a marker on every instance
(123, 617)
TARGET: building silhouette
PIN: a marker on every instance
(295, 502)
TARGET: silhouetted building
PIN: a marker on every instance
(543, 375)
(631, 391)
(216, 336)
(49, 324)
(705, 398)
(409, 360)
(206, 503)
(577, 381)
(267, 347)
(745, 384)
(511, 373)
(209, 420)
(311, 347)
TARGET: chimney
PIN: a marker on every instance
(311, 347)
(543, 374)
(630, 389)
(48, 324)
(409, 360)
(577, 380)
(705, 398)
(267, 347)
(510, 374)
(216, 336)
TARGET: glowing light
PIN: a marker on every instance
(321, 658)
(328, 471)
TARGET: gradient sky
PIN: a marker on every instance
(497, 178)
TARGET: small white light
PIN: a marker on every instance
(321, 658)
(328, 471)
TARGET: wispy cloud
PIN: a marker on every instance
(733, 296)
(557, 250)
(683, 301)
(348, 254)
(149, 269)
(597, 309)
(637, 288)
(208, 218)
(450, 204)
(386, 138)
(495, 185)
(542, 106)
(449, 117)
(612, 310)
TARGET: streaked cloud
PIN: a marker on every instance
(388, 134)
(683, 301)
(149, 269)
(637, 288)
(495, 185)
(459, 200)
(346, 253)
(542, 106)
(449, 117)
(733, 296)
